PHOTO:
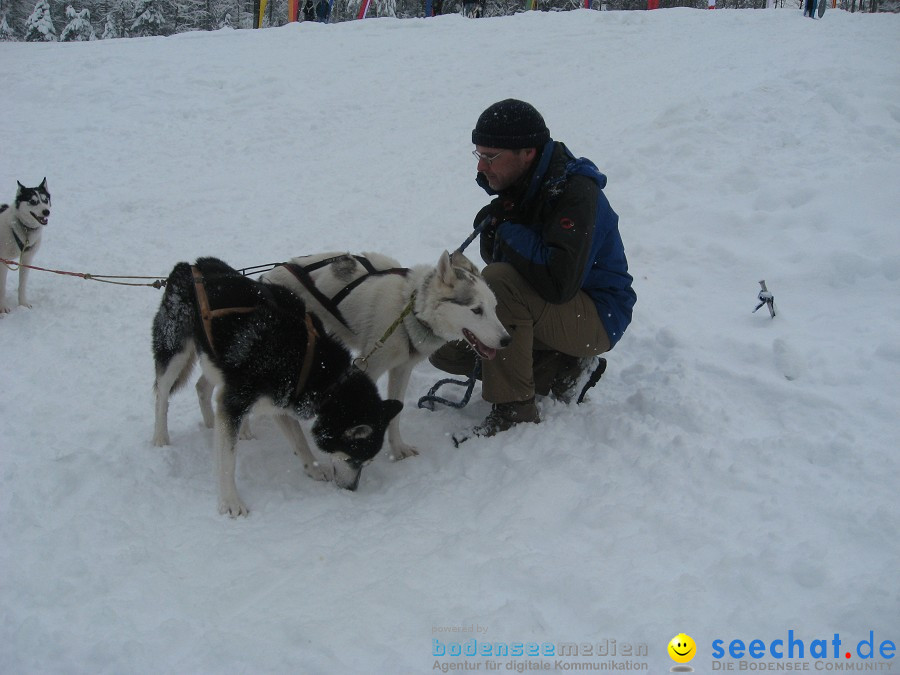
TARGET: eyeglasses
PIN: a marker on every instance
(487, 158)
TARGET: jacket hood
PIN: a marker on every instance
(585, 167)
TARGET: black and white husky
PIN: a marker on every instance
(260, 348)
(21, 225)
(360, 297)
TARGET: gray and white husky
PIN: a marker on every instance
(21, 225)
(448, 301)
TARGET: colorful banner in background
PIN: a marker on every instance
(363, 8)
(260, 10)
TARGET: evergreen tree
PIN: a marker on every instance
(385, 8)
(116, 21)
(110, 31)
(148, 19)
(79, 28)
(39, 26)
(6, 34)
(222, 14)
(196, 15)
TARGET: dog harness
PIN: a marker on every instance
(302, 273)
(23, 246)
(207, 315)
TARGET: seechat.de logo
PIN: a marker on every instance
(867, 650)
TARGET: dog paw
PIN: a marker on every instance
(160, 440)
(233, 507)
(4, 309)
(318, 471)
(402, 452)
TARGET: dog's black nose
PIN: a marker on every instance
(504, 342)
(354, 482)
(46, 212)
(347, 477)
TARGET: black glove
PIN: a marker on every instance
(498, 211)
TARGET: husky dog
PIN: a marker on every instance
(20, 234)
(449, 301)
(258, 344)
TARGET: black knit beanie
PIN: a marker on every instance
(511, 124)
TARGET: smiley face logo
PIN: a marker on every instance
(682, 648)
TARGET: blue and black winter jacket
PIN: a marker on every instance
(559, 231)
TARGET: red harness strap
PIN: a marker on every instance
(207, 315)
(311, 335)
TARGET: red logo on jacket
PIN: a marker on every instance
(567, 223)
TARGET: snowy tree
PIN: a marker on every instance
(16, 14)
(148, 18)
(386, 7)
(6, 34)
(196, 15)
(79, 28)
(110, 29)
(116, 21)
(39, 26)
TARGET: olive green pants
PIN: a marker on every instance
(535, 325)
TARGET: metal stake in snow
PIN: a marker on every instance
(766, 298)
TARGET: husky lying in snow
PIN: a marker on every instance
(260, 347)
(359, 297)
(21, 226)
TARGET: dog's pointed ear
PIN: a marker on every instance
(21, 187)
(43, 184)
(458, 259)
(391, 408)
(358, 432)
(445, 269)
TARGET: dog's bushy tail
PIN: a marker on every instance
(173, 327)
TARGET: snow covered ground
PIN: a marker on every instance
(732, 477)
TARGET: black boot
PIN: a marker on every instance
(503, 416)
(565, 384)
(565, 377)
(547, 365)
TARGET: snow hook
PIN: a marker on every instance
(765, 298)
